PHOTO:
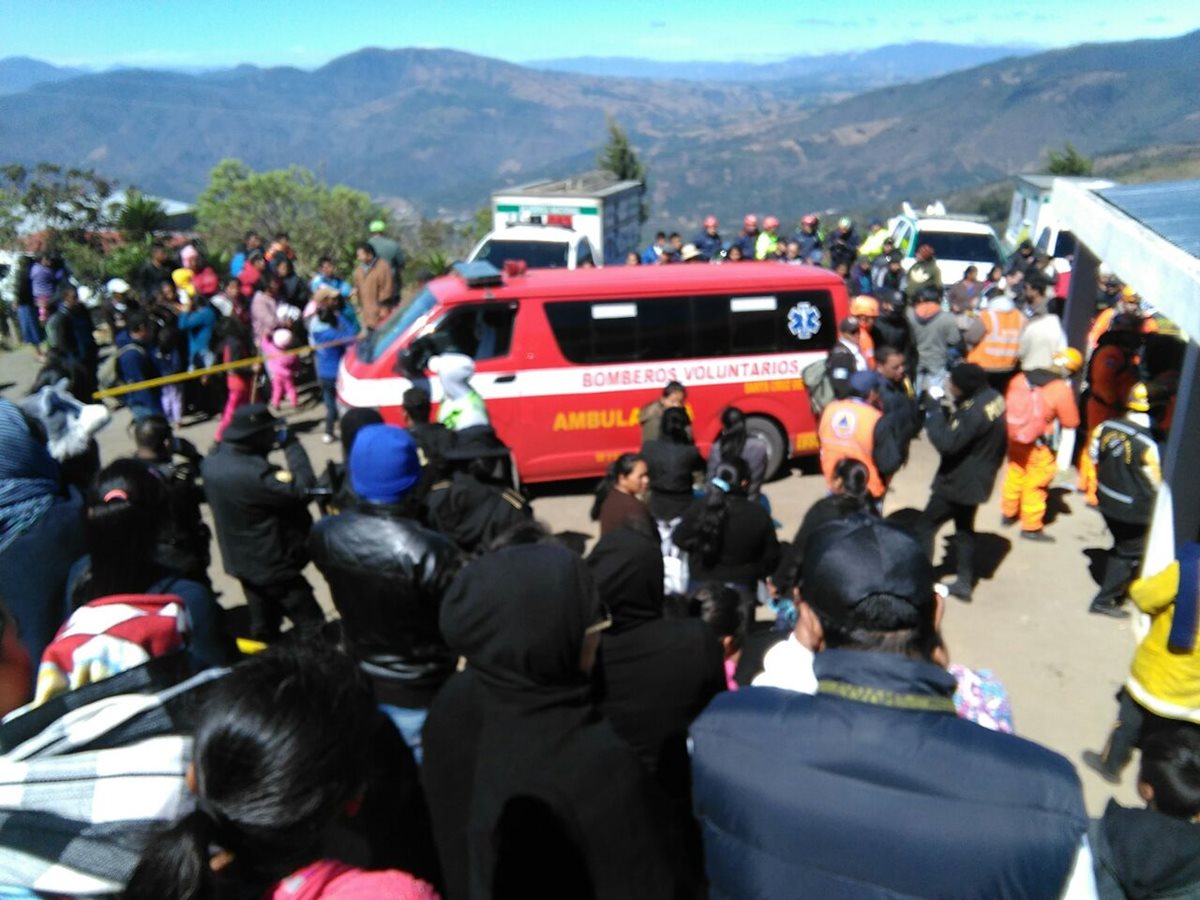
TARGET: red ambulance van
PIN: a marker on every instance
(565, 359)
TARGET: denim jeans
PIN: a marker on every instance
(329, 395)
(926, 380)
(409, 722)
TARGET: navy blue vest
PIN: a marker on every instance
(874, 788)
(1124, 491)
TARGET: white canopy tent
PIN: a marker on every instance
(1149, 236)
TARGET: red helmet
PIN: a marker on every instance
(750, 221)
(810, 219)
(770, 222)
(710, 222)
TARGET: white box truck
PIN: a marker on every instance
(1032, 214)
(588, 219)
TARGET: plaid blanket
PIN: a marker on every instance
(79, 796)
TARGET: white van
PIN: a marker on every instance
(539, 246)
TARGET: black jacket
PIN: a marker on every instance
(1142, 853)
(902, 413)
(387, 575)
(749, 551)
(673, 469)
(972, 441)
(655, 674)
(260, 510)
(184, 546)
(472, 513)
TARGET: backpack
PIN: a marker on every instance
(1025, 412)
(819, 385)
(108, 376)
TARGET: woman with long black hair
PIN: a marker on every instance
(673, 461)
(729, 538)
(127, 510)
(619, 495)
(735, 441)
(282, 756)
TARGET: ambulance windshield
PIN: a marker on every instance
(395, 325)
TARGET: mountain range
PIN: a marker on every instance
(817, 73)
(441, 129)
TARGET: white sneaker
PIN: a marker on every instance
(327, 439)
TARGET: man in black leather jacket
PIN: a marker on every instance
(387, 574)
(262, 519)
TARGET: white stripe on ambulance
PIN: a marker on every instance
(573, 380)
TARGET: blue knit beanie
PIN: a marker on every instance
(383, 464)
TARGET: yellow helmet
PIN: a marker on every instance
(863, 305)
(1070, 359)
(1138, 399)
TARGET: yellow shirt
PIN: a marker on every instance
(1164, 681)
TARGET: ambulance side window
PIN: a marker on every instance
(481, 332)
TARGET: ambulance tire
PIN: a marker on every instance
(772, 435)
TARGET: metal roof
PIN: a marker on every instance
(1171, 209)
(1148, 234)
(596, 182)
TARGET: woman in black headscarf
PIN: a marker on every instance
(532, 793)
(656, 674)
(673, 461)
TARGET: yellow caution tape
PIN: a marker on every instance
(209, 370)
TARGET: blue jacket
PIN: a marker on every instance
(198, 325)
(135, 365)
(709, 245)
(746, 242)
(873, 787)
(319, 281)
(329, 358)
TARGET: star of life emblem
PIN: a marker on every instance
(804, 320)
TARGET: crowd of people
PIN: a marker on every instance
(176, 314)
(494, 713)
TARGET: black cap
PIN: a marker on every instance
(969, 378)
(250, 420)
(863, 572)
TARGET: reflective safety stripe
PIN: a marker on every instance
(1001, 344)
(880, 697)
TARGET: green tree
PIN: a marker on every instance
(71, 204)
(319, 219)
(618, 157)
(140, 216)
(1068, 161)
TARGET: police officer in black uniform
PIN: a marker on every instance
(472, 506)
(262, 518)
(184, 546)
(972, 439)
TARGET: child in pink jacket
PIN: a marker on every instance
(281, 366)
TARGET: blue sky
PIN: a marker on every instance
(307, 33)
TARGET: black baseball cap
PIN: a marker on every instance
(863, 572)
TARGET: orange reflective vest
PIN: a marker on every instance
(847, 429)
(1000, 348)
(866, 345)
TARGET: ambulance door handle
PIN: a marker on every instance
(505, 379)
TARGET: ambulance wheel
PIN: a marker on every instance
(772, 435)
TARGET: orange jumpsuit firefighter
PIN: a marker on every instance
(1032, 465)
